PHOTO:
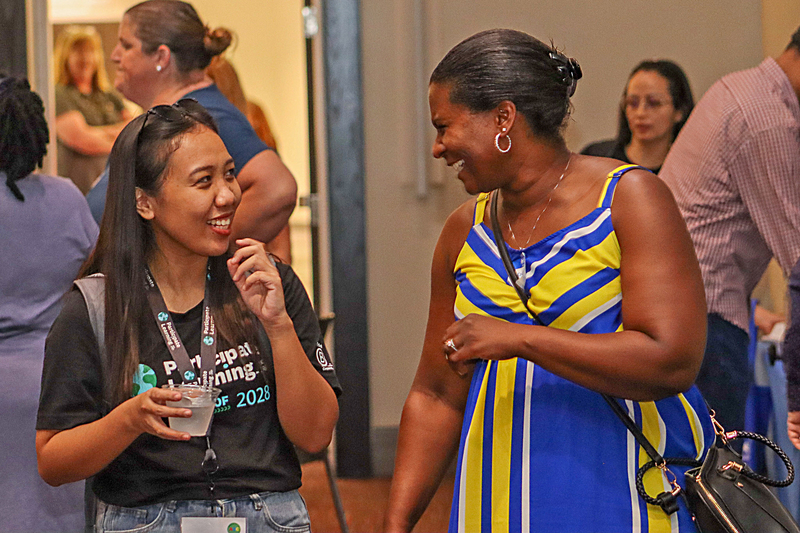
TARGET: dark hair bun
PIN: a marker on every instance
(217, 41)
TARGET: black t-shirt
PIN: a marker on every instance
(253, 453)
(612, 149)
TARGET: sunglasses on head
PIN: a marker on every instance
(172, 113)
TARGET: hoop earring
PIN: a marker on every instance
(497, 142)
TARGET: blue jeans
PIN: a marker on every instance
(267, 512)
(725, 375)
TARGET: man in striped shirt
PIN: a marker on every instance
(735, 173)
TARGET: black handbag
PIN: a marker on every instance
(723, 494)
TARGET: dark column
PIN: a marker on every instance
(13, 47)
(345, 140)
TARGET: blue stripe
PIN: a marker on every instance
(480, 300)
(578, 292)
(486, 253)
(469, 413)
(570, 248)
(488, 431)
(609, 196)
(620, 172)
(517, 435)
(607, 321)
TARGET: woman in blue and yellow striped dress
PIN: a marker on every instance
(608, 265)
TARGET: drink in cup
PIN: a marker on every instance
(200, 400)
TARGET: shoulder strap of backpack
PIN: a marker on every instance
(93, 289)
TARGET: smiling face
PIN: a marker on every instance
(465, 140)
(136, 71)
(649, 109)
(191, 213)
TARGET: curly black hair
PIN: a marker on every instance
(23, 131)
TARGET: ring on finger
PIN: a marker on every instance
(450, 344)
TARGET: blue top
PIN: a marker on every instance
(791, 343)
(44, 240)
(236, 132)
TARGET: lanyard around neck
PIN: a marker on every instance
(208, 344)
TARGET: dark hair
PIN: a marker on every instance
(795, 42)
(500, 64)
(178, 26)
(23, 131)
(127, 242)
(679, 91)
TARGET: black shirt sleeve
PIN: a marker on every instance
(791, 343)
(608, 148)
(306, 325)
(71, 393)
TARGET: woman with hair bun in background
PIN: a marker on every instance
(161, 56)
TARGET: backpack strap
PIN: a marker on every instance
(93, 289)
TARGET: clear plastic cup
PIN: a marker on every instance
(200, 400)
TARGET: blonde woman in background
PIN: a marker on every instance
(89, 116)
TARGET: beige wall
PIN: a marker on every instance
(607, 37)
(269, 56)
(779, 20)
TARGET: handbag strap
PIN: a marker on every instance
(501, 249)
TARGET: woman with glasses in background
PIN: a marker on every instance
(655, 105)
(179, 307)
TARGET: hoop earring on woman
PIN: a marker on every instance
(497, 141)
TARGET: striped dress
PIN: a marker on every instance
(537, 452)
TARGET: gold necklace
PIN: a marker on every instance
(522, 271)
(549, 198)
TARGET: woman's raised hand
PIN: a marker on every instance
(254, 273)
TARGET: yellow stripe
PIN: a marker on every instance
(658, 521)
(587, 304)
(608, 182)
(501, 443)
(578, 268)
(694, 421)
(471, 499)
(486, 281)
(605, 190)
(480, 207)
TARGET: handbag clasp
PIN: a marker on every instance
(731, 464)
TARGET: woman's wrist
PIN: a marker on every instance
(278, 326)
